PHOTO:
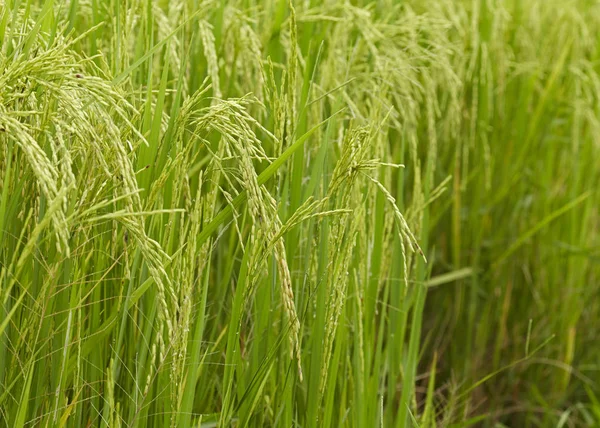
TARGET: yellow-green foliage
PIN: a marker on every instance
(299, 213)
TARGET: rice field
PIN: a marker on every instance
(309, 213)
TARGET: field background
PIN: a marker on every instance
(299, 214)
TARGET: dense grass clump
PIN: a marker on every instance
(311, 214)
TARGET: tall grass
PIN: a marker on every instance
(312, 214)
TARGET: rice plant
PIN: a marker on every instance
(299, 213)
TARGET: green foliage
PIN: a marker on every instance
(314, 214)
